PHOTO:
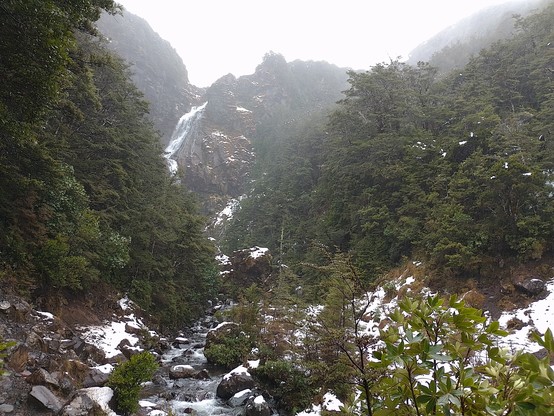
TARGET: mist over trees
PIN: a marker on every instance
(455, 169)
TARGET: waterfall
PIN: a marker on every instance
(180, 134)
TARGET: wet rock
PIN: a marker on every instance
(233, 383)
(532, 286)
(240, 398)
(182, 371)
(44, 397)
(257, 406)
(202, 375)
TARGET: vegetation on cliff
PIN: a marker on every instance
(86, 199)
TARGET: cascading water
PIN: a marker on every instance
(179, 137)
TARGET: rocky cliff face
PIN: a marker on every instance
(248, 113)
(157, 69)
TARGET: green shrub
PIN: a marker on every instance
(4, 346)
(289, 384)
(127, 378)
(229, 351)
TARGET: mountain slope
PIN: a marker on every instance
(158, 71)
(454, 46)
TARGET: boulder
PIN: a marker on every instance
(257, 406)
(89, 401)
(75, 369)
(202, 375)
(240, 398)
(133, 328)
(6, 408)
(44, 397)
(181, 371)
(532, 286)
(95, 378)
(250, 266)
(233, 383)
(42, 377)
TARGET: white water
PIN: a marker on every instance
(180, 135)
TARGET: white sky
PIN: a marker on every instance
(217, 37)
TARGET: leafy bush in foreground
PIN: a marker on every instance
(127, 378)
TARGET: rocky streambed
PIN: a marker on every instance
(52, 368)
(188, 384)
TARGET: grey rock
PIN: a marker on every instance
(46, 398)
(182, 371)
(42, 377)
(95, 378)
(6, 408)
(233, 383)
(532, 286)
(240, 398)
(90, 401)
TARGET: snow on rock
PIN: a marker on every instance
(223, 260)
(106, 368)
(107, 337)
(47, 316)
(102, 396)
(538, 316)
(227, 213)
(146, 403)
(238, 370)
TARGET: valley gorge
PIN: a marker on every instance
(289, 242)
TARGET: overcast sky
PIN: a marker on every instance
(217, 37)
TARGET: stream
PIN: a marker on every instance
(196, 396)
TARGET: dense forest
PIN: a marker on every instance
(455, 170)
(447, 178)
(86, 201)
(452, 171)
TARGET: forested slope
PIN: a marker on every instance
(456, 170)
(86, 203)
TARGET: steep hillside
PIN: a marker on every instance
(158, 71)
(454, 46)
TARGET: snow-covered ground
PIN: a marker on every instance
(107, 337)
(538, 316)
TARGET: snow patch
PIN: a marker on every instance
(107, 337)
(256, 252)
(538, 316)
(47, 316)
